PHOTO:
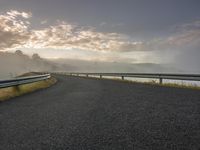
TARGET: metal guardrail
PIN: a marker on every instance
(159, 76)
(23, 80)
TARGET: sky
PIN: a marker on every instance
(132, 31)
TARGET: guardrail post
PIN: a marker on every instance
(160, 80)
(122, 77)
(100, 76)
(86, 75)
(16, 88)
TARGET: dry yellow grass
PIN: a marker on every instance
(6, 93)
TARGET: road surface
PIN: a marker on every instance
(88, 114)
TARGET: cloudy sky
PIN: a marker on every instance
(133, 31)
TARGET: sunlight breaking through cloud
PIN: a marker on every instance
(13, 30)
(16, 33)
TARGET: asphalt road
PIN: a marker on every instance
(89, 114)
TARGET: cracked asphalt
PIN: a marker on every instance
(90, 114)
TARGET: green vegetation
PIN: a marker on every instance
(6, 93)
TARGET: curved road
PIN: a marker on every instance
(88, 114)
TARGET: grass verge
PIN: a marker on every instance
(7, 93)
(153, 82)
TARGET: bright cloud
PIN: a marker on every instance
(67, 36)
(15, 33)
(13, 30)
(186, 38)
(14, 13)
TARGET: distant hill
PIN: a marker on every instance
(94, 66)
(12, 64)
